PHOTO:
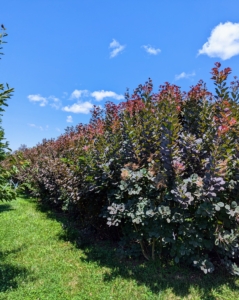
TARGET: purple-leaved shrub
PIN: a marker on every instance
(162, 167)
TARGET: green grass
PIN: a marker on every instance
(39, 260)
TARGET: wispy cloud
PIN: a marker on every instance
(69, 119)
(151, 50)
(65, 94)
(55, 102)
(117, 48)
(223, 41)
(78, 94)
(184, 75)
(43, 101)
(80, 107)
(100, 95)
(35, 126)
(38, 98)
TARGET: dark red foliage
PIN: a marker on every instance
(220, 76)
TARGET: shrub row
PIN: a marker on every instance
(162, 167)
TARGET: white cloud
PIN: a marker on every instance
(114, 44)
(78, 93)
(38, 98)
(100, 95)
(184, 75)
(151, 50)
(43, 101)
(117, 48)
(32, 125)
(223, 42)
(69, 119)
(80, 107)
(55, 102)
(58, 129)
(35, 126)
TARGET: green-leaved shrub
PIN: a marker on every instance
(7, 193)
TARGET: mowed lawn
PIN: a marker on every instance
(40, 260)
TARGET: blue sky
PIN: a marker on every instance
(63, 56)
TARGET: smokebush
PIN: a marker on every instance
(162, 167)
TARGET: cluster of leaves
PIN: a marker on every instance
(162, 167)
(7, 193)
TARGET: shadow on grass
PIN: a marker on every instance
(157, 276)
(9, 273)
(5, 207)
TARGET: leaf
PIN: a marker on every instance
(82, 158)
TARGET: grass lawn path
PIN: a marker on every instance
(37, 262)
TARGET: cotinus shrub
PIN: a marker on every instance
(162, 167)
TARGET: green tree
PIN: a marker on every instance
(6, 192)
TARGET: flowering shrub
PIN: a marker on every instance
(162, 167)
